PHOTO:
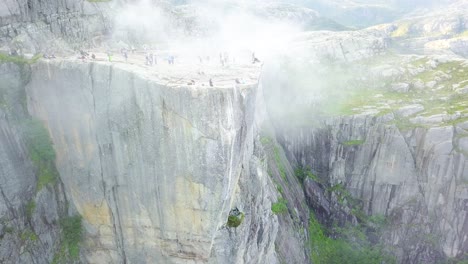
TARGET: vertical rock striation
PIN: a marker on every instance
(155, 170)
(29, 216)
(416, 178)
(33, 25)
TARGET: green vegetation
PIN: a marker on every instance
(352, 101)
(279, 188)
(30, 206)
(266, 141)
(71, 231)
(8, 230)
(344, 94)
(403, 124)
(350, 247)
(41, 152)
(353, 142)
(343, 196)
(279, 207)
(419, 62)
(28, 235)
(442, 99)
(235, 220)
(304, 172)
(456, 261)
(4, 58)
(279, 163)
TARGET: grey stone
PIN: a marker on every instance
(409, 110)
(400, 87)
(146, 164)
(395, 175)
(434, 119)
(463, 144)
(431, 84)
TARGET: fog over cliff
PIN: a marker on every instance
(222, 131)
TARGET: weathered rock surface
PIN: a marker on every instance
(29, 231)
(345, 46)
(50, 26)
(154, 170)
(416, 179)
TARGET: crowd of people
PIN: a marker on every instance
(151, 59)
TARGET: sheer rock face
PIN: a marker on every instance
(417, 179)
(39, 26)
(29, 228)
(153, 170)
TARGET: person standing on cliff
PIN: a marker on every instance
(125, 54)
(147, 59)
(254, 58)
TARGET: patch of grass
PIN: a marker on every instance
(403, 124)
(72, 231)
(47, 175)
(279, 163)
(8, 230)
(377, 220)
(354, 101)
(458, 73)
(456, 121)
(235, 221)
(60, 256)
(304, 172)
(458, 261)
(350, 246)
(419, 62)
(28, 235)
(439, 99)
(426, 76)
(38, 140)
(4, 58)
(279, 188)
(355, 142)
(30, 206)
(279, 207)
(343, 196)
(41, 152)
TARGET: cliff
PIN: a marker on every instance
(122, 163)
(52, 26)
(416, 179)
(387, 136)
(153, 170)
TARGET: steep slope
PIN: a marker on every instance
(385, 136)
(40, 26)
(155, 170)
(32, 203)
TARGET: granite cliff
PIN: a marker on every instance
(113, 162)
